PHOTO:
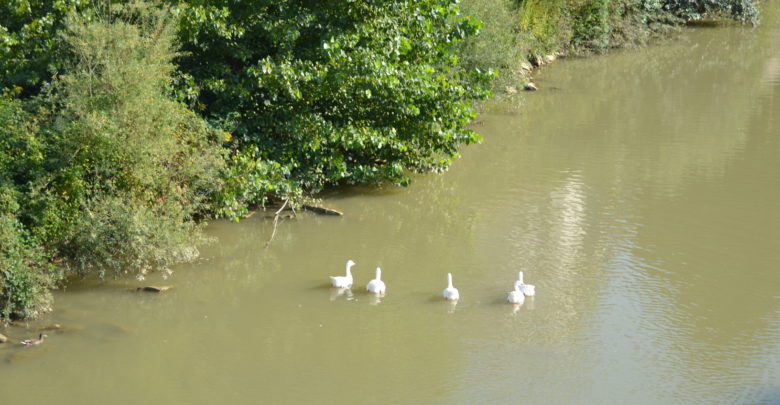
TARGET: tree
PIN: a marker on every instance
(125, 169)
(336, 91)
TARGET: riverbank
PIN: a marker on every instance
(518, 36)
(628, 199)
(109, 167)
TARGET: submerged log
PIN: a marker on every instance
(322, 210)
(155, 289)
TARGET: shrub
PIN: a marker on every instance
(497, 45)
(122, 234)
(584, 26)
(545, 25)
(127, 169)
(334, 91)
(30, 45)
(111, 171)
(248, 180)
(745, 10)
(26, 276)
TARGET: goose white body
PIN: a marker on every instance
(450, 293)
(527, 289)
(516, 296)
(377, 286)
(343, 281)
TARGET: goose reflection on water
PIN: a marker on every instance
(335, 293)
(451, 304)
(375, 299)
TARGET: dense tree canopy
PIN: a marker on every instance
(356, 91)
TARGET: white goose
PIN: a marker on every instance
(377, 286)
(343, 281)
(528, 289)
(450, 293)
(516, 296)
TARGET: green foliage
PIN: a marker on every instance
(26, 277)
(30, 48)
(105, 166)
(584, 26)
(745, 10)
(591, 24)
(248, 179)
(601, 24)
(128, 166)
(355, 92)
(545, 25)
(25, 273)
(497, 46)
(122, 234)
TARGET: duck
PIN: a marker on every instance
(343, 281)
(516, 296)
(377, 286)
(450, 293)
(34, 342)
(528, 289)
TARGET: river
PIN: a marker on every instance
(639, 191)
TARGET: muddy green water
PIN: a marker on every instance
(639, 192)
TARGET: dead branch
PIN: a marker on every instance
(276, 222)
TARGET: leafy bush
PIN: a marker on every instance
(30, 45)
(248, 179)
(584, 26)
(545, 25)
(128, 166)
(109, 170)
(122, 234)
(497, 45)
(602, 24)
(591, 24)
(26, 276)
(334, 91)
(745, 10)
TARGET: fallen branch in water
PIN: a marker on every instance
(276, 222)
